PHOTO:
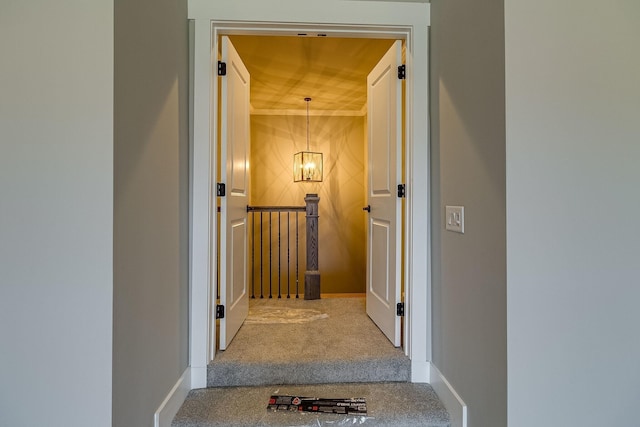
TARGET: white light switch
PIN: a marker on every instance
(455, 218)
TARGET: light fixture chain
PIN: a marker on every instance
(307, 166)
(307, 99)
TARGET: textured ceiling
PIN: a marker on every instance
(332, 71)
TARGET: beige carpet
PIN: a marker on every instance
(293, 341)
(388, 404)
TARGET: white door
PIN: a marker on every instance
(384, 152)
(235, 138)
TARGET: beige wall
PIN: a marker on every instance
(572, 138)
(151, 231)
(274, 141)
(468, 168)
(56, 212)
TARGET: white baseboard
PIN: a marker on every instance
(420, 371)
(450, 399)
(174, 400)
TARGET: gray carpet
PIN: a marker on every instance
(339, 344)
(388, 404)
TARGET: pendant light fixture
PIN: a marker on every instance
(307, 165)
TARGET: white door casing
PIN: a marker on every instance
(235, 150)
(384, 173)
(408, 21)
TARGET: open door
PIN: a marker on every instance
(384, 151)
(234, 165)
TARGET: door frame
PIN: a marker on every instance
(362, 19)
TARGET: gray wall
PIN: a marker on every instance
(573, 179)
(468, 168)
(151, 206)
(56, 211)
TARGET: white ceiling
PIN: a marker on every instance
(332, 71)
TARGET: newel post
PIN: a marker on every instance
(312, 275)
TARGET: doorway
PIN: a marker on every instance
(358, 244)
(409, 22)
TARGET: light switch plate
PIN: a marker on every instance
(454, 219)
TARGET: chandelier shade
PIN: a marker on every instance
(307, 166)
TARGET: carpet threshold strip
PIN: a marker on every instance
(387, 404)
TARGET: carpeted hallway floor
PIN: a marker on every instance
(388, 404)
(325, 348)
(339, 344)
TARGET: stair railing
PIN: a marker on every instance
(267, 234)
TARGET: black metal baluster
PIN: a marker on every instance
(297, 257)
(279, 257)
(288, 256)
(270, 256)
(253, 255)
(261, 246)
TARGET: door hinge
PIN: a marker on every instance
(402, 72)
(221, 189)
(222, 68)
(400, 309)
(219, 311)
(402, 190)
